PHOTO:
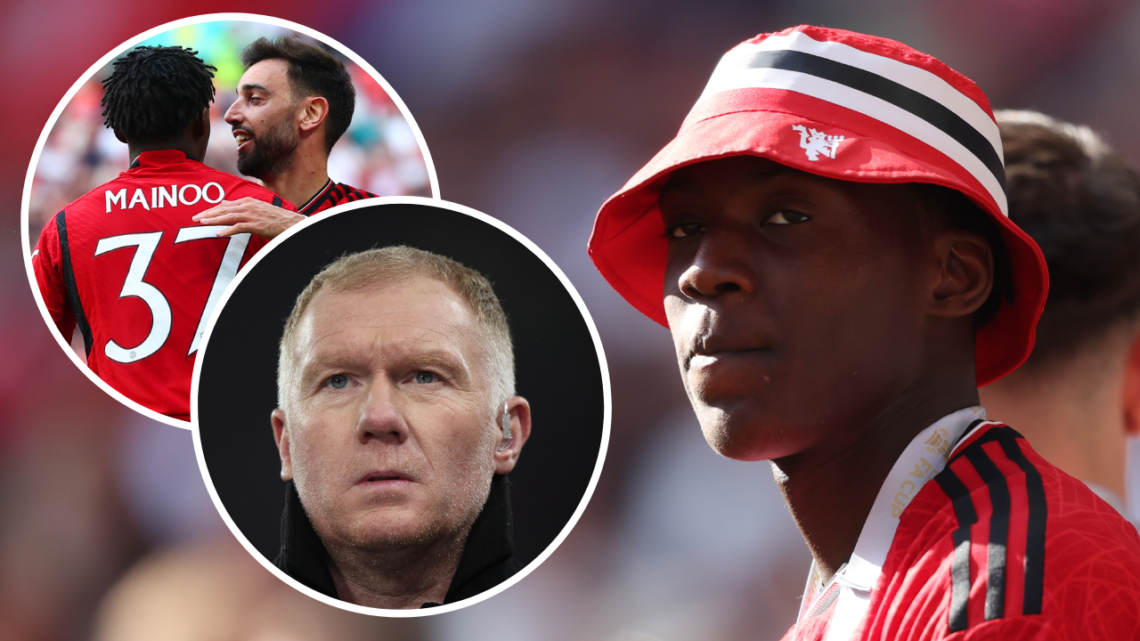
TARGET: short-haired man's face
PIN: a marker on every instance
(263, 120)
(794, 300)
(389, 433)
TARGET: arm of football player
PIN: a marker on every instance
(46, 263)
(249, 215)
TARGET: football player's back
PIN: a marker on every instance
(143, 276)
(125, 264)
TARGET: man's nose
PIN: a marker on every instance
(233, 114)
(381, 414)
(722, 265)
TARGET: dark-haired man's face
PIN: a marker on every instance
(795, 301)
(264, 120)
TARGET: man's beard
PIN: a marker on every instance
(272, 152)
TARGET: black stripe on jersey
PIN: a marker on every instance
(313, 206)
(999, 529)
(69, 282)
(318, 198)
(921, 105)
(277, 202)
(1038, 513)
(960, 570)
(1035, 540)
(965, 433)
(1001, 433)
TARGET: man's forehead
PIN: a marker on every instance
(414, 309)
(746, 172)
(271, 74)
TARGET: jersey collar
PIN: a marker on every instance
(320, 192)
(921, 461)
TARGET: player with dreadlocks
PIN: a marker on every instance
(125, 263)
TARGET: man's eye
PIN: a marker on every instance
(786, 218)
(683, 230)
(424, 377)
(338, 381)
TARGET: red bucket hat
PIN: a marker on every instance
(846, 106)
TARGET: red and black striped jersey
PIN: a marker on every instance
(127, 266)
(1002, 545)
(331, 195)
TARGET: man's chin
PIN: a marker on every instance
(394, 529)
(248, 166)
(743, 436)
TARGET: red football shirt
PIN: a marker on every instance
(1002, 546)
(331, 195)
(127, 265)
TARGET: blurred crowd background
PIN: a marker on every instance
(379, 152)
(534, 112)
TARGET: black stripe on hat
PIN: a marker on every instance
(999, 529)
(69, 283)
(903, 97)
(960, 570)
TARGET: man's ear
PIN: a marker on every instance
(200, 133)
(1131, 397)
(965, 274)
(506, 457)
(202, 124)
(281, 436)
(311, 113)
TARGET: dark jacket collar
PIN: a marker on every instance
(488, 556)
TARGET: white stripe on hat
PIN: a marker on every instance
(731, 73)
(916, 78)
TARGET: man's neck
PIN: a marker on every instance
(186, 147)
(1071, 414)
(305, 176)
(831, 486)
(399, 579)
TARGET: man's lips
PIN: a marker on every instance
(709, 348)
(708, 358)
(384, 477)
(242, 137)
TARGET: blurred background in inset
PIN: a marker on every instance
(379, 152)
(534, 112)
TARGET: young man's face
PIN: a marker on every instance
(795, 301)
(264, 120)
(389, 432)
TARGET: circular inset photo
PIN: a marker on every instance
(174, 160)
(402, 408)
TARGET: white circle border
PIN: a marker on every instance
(25, 201)
(606, 398)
